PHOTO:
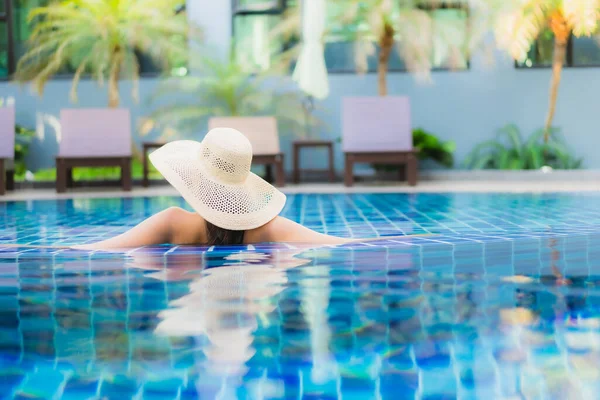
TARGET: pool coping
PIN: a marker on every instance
(443, 186)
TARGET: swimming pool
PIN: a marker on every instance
(498, 299)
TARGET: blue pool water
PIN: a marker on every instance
(499, 298)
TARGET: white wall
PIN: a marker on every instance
(466, 107)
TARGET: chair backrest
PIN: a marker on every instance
(95, 132)
(7, 132)
(376, 124)
(261, 131)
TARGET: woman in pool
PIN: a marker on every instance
(233, 206)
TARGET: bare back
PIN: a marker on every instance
(180, 227)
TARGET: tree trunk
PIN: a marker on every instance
(113, 93)
(385, 49)
(113, 79)
(561, 31)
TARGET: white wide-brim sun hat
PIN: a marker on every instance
(214, 177)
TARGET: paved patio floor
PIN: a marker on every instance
(450, 186)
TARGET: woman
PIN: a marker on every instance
(233, 206)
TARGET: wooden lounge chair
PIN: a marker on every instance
(94, 138)
(377, 130)
(263, 135)
(7, 147)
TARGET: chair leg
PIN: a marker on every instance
(145, 182)
(349, 171)
(280, 178)
(61, 176)
(2, 177)
(10, 180)
(296, 173)
(412, 170)
(331, 165)
(126, 180)
(402, 172)
(269, 173)
(70, 177)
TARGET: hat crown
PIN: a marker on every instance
(226, 155)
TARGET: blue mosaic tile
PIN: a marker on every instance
(498, 299)
(80, 388)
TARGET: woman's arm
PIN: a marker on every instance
(284, 230)
(173, 225)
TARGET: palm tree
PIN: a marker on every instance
(519, 24)
(408, 24)
(102, 38)
(224, 87)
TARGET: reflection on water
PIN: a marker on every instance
(502, 319)
(224, 305)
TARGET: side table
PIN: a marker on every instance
(300, 144)
(148, 146)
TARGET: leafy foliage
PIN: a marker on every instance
(91, 173)
(422, 39)
(510, 151)
(23, 138)
(102, 38)
(430, 147)
(519, 23)
(225, 88)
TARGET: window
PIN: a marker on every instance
(449, 19)
(581, 52)
(21, 29)
(253, 21)
(15, 32)
(256, 47)
(6, 54)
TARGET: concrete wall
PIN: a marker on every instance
(466, 107)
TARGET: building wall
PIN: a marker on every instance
(466, 107)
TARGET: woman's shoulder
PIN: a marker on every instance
(187, 226)
(281, 229)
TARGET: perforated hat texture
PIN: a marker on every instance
(214, 177)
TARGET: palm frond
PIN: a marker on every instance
(363, 49)
(582, 15)
(289, 26)
(102, 38)
(76, 78)
(416, 44)
(519, 24)
(225, 88)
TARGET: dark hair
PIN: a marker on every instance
(218, 236)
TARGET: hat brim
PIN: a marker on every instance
(239, 207)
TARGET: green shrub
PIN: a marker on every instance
(510, 151)
(23, 138)
(429, 147)
(91, 174)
